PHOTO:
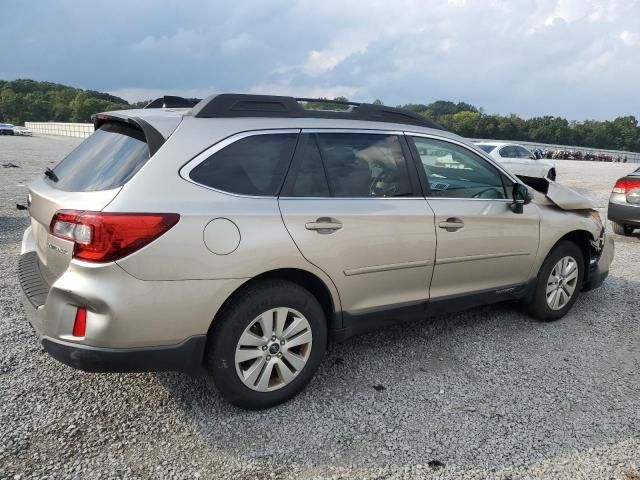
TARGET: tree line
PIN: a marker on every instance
(30, 100)
(468, 121)
(623, 133)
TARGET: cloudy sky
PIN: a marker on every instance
(574, 58)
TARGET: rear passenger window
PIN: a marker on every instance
(508, 152)
(253, 165)
(523, 152)
(364, 165)
(310, 180)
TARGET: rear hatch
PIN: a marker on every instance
(87, 180)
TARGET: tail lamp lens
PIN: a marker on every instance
(629, 187)
(106, 237)
(624, 185)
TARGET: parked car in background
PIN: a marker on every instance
(237, 237)
(518, 160)
(6, 129)
(624, 204)
(22, 131)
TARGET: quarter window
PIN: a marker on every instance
(253, 165)
(456, 172)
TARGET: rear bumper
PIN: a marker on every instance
(186, 356)
(624, 214)
(132, 325)
(599, 269)
(183, 357)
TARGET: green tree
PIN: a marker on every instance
(12, 106)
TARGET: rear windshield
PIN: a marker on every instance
(107, 159)
(486, 148)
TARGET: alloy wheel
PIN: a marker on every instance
(562, 283)
(273, 349)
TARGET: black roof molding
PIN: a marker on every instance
(228, 105)
(170, 101)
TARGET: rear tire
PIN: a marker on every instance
(253, 315)
(558, 284)
(620, 229)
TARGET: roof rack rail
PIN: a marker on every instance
(228, 105)
(170, 101)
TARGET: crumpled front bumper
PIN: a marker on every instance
(599, 267)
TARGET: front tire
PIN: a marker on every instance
(558, 284)
(266, 343)
(620, 229)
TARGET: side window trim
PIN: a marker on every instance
(423, 176)
(425, 187)
(314, 136)
(415, 183)
(294, 169)
(186, 169)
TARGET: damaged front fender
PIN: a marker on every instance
(556, 194)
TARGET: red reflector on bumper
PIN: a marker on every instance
(80, 323)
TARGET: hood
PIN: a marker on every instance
(548, 192)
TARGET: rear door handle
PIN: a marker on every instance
(452, 224)
(324, 225)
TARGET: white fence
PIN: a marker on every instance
(81, 130)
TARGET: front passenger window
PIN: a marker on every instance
(456, 172)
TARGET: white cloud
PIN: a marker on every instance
(307, 91)
(630, 39)
(575, 58)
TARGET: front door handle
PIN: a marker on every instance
(451, 224)
(324, 225)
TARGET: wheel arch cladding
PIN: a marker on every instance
(582, 239)
(306, 280)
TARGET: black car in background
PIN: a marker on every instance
(624, 204)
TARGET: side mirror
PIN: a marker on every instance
(521, 198)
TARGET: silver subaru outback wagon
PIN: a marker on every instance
(238, 235)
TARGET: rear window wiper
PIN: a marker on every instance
(50, 174)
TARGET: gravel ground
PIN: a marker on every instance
(488, 393)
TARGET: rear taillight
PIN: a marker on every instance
(628, 187)
(624, 185)
(105, 237)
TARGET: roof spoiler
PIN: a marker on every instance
(242, 105)
(170, 101)
(153, 137)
